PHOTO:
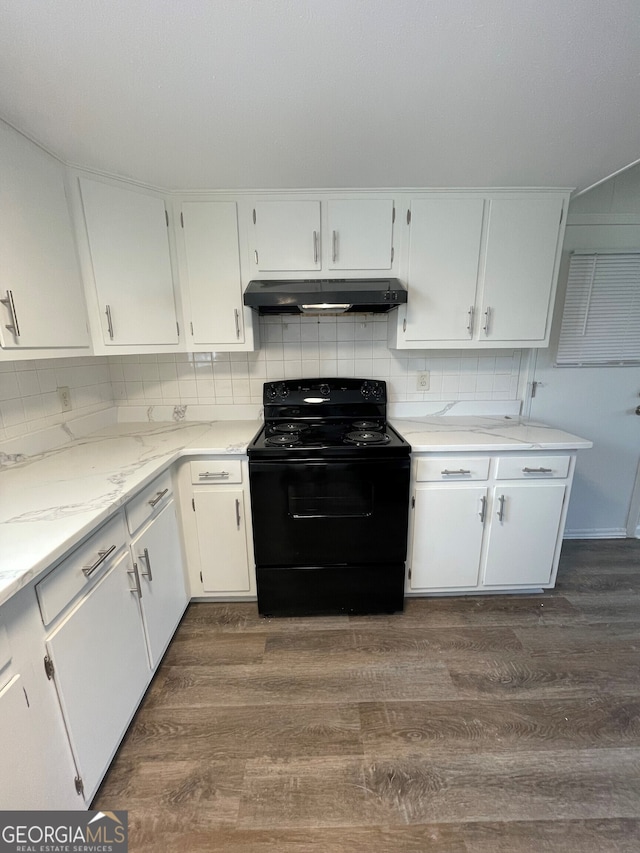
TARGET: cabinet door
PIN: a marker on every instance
(519, 269)
(129, 246)
(447, 536)
(156, 552)
(101, 670)
(213, 269)
(222, 540)
(523, 533)
(444, 253)
(39, 274)
(361, 234)
(287, 235)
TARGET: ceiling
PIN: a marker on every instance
(206, 94)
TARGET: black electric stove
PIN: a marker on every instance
(329, 481)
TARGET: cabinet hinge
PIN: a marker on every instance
(413, 502)
(48, 667)
(254, 216)
(193, 504)
(79, 785)
(409, 216)
(166, 216)
(392, 253)
(393, 214)
(181, 219)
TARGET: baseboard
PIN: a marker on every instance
(601, 533)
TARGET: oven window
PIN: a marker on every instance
(335, 498)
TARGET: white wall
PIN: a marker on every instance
(598, 402)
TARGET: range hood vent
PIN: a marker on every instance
(325, 295)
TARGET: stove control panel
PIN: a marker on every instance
(319, 391)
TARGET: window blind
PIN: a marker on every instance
(601, 318)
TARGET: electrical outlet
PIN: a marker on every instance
(64, 395)
(422, 381)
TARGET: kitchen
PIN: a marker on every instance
(220, 373)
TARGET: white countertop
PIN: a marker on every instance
(452, 434)
(50, 501)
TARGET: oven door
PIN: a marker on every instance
(330, 512)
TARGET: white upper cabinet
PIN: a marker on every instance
(519, 267)
(212, 274)
(481, 269)
(327, 234)
(444, 252)
(360, 233)
(286, 235)
(131, 264)
(42, 304)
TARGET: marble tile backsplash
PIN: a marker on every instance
(290, 347)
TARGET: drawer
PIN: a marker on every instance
(79, 569)
(532, 467)
(149, 501)
(452, 469)
(207, 471)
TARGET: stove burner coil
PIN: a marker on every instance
(282, 440)
(366, 425)
(360, 437)
(290, 428)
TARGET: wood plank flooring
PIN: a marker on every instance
(503, 724)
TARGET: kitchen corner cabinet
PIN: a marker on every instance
(42, 308)
(328, 236)
(212, 278)
(129, 267)
(217, 528)
(487, 523)
(481, 270)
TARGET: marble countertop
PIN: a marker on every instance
(50, 501)
(452, 434)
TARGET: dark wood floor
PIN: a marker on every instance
(506, 724)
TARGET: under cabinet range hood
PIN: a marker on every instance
(325, 295)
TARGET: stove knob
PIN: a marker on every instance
(365, 390)
(271, 392)
(282, 391)
(324, 390)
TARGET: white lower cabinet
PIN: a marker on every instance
(493, 535)
(217, 528)
(100, 670)
(163, 595)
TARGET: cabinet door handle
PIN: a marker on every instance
(214, 475)
(459, 472)
(137, 588)
(537, 470)
(236, 314)
(334, 246)
(315, 247)
(158, 497)
(471, 314)
(255, 255)
(501, 502)
(13, 326)
(483, 509)
(487, 321)
(238, 513)
(102, 556)
(109, 321)
(145, 556)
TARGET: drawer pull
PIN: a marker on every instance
(137, 588)
(537, 470)
(500, 512)
(483, 509)
(238, 519)
(102, 556)
(459, 472)
(158, 497)
(145, 556)
(214, 475)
